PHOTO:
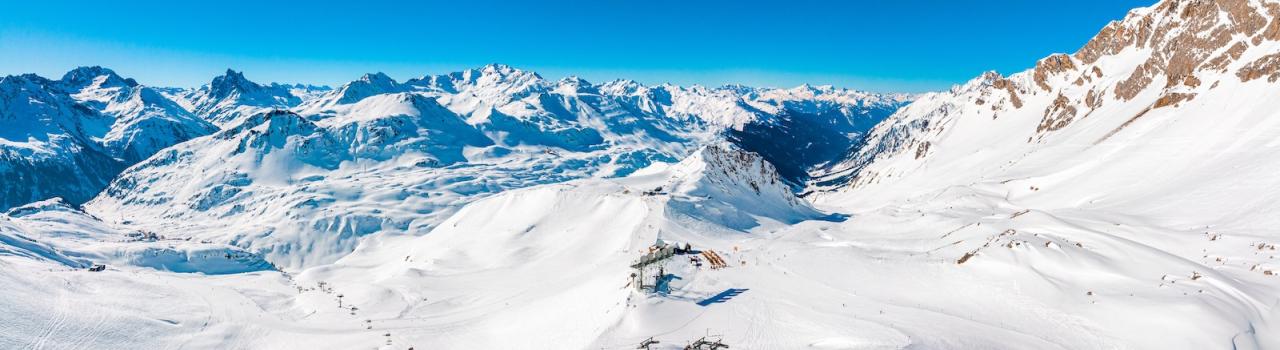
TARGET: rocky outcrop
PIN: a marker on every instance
(1266, 67)
(1157, 58)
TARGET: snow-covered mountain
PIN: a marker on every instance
(723, 184)
(1147, 156)
(1118, 197)
(367, 86)
(583, 231)
(516, 107)
(68, 138)
(431, 144)
(523, 129)
(145, 120)
(1178, 92)
(564, 247)
(48, 144)
(307, 190)
(230, 97)
(512, 107)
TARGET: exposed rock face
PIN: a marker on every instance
(999, 82)
(1184, 37)
(1050, 66)
(1265, 67)
(1057, 115)
(1157, 58)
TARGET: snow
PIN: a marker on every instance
(534, 251)
(379, 157)
(493, 208)
(559, 253)
(232, 97)
(68, 138)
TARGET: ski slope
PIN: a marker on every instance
(798, 277)
(1116, 198)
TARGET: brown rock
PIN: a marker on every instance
(1058, 115)
(1093, 100)
(1220, 62)
(1267, 66)
(1005, 84)
(1049, 66)
(1272, 31)
(1172, 99)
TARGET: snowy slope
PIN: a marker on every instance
(558, 252)
(152, 293)
(723, 184)
(1115, 198)
(1137, 168)
(1182, 82)
(69, 137)
(305, 192)
(75, 239)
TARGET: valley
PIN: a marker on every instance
(1120, 197)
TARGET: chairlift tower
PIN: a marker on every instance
(648, 261)
(704, 344)
(647, 343)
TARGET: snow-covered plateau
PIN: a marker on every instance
(1120, 197)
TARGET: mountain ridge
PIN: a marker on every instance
(1118, 197)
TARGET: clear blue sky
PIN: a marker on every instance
(888, 45)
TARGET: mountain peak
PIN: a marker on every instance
(231, 81)
(22, 79)
(231, 96)
(378, 77)
(38, 89)
(574, 80)
(725, 176)
(500, 71)
(82, 77)
(368, 85)
(91, 71)
(497, 67)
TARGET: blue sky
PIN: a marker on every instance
(897, 45)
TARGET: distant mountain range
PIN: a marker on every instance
(70, 137)
(1122, 196)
